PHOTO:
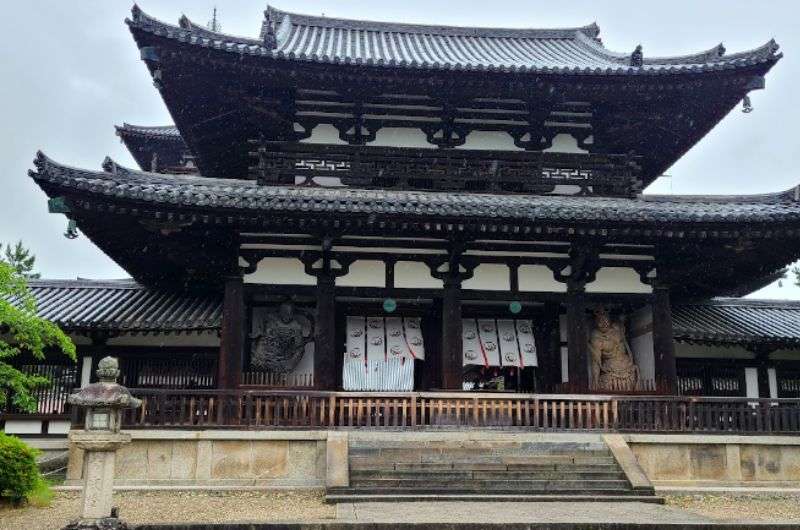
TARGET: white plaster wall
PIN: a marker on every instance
(640, 328)
(324, 133)
(364, 273)
(539, 278)
(414, 274)
(489, 277)
(490, 140)
(565, 143)
(23, 427)
(751, 382)
(207, 339)
(772, 376)
(280, 271)
(59, 427)
(401, 137)
(617, 280)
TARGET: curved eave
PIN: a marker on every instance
(158, 132)
(180, 191)
(734, 340)
(607, 62)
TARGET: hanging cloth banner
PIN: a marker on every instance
(355, 355)
(471, 346)
(487, 332)
(527, 343)
(502, 342)
(509, 347)
(376, 353)
(380, 353)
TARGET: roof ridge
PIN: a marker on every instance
(279, 41)
(745, 302)
(86, 283)
(276, 18)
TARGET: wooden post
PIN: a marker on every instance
(325, 331)
(663, 345)
(231, 344)
(577, 338)
(450, 358)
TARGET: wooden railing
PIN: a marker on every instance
(309, 409)
(445, 169)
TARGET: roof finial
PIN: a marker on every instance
(721, 50)
(637, 57)
(214, 24)
(747, 106)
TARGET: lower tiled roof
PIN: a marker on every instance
(123, 306)
(119, 183)
(126, 306)
(738, 321)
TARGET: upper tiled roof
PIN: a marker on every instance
(738, 321)
(211, 193)
(123, 306)
(340, 41)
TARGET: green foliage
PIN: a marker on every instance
(21, 330)
(21, 259)
(19, 477)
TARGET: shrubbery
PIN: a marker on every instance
(19, 477)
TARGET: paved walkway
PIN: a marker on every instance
(514, 512)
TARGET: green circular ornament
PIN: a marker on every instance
(515, 307)
(389, 305)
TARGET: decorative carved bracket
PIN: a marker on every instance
(581, 269)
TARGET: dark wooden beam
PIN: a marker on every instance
(231, 347)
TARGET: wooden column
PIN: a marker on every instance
(325, 331)
(451, 361)
(663, 343)
(762, 358)
(577, 338)
(231, 344)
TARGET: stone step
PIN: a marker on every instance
(454, 474)
(433, 467)
(488, 459)
(470, 497)
(471, 451)
(488, 485)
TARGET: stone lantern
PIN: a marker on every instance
(100, 439)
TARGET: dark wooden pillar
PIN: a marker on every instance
(762, 359)
(577, 338)
(663, 342)
(325, 330)
(451, 362)
(231, 346)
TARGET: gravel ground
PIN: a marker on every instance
(162, 507)
(743, 507)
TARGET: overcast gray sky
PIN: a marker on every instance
(70, 71)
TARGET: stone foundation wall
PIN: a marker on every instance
(309, 459)
(719, 460)
(217, 459)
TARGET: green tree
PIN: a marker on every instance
(21, 330)
(21, 259)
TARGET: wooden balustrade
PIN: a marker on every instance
(261, 409)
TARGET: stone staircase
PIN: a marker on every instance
(495, 468)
